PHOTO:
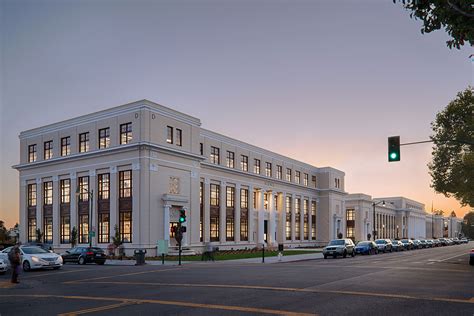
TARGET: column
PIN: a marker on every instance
(136, 213)
(222, 212)
(237, 213)
(166, 222)
(39, 205)
(23, 225)
(56, 199)
(272, 219)
(293, 223)
(261, 213)
(206, 223)
(93, 211)
(302, 218)
(251, 215)
(113, 202)
(310, 218)
(281, 234)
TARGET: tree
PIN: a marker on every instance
(455, 16)
(117, 239)
(452, 165)
(468, 225)
(4, 236)
(74, 237)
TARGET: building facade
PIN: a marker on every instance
(129, 170)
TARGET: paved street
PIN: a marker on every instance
(435, 281)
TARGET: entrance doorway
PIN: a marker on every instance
(173, 228)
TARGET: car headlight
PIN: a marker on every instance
(35, 259)
(60, 259)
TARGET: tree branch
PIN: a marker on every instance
(457, 9)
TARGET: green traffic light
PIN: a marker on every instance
(393, 156)
(182, 219)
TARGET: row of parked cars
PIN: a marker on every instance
(38, 256)
(346, 247)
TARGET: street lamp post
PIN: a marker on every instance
(373, 224)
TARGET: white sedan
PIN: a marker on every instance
(33, 257)
(3, 266)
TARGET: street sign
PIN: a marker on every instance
(92, 233)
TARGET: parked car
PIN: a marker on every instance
(416, 244)
(47, 247)
(3, 266)
(443, 242)
(471, 257)
(407, 244)
(339, 247)
(397, 245)
(366, 247)
(384, 245)
(83, 255)
(464, 241)
(424, 243)
(33, 257)
(456, 241)
(429, 243)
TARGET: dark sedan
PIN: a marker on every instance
(83, 255)
(366, 247)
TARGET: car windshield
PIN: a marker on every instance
(363, 243)
(33, 250)
(95, 249)
(336, 242)
(380, 241)
(404, 240)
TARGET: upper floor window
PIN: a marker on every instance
(268, 169)
(288, 174)
(244, 163)
(104, 186)
(169, 134)
(230, 198)
(83, 188)
(84, 142)
(48, 193)
(65, 189)
(305, 179)
(297, 177)
(214, 155)
(125, 133)
(313, 179)
(201, 148)
(279, 172)
(244, 198)
(313, 208)
(179, 137)
(214, 194)
(350, 214)
(104, 138)
(32, 194)
(337, 183)
(230, 159)
(256, 166)
(32, 153)
(48, 150)
(66, 146)
(125, 183)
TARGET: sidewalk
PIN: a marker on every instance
(268, 260)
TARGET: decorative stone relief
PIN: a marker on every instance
(174, 185)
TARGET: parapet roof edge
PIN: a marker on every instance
(399, 197)
(124, 108)
(253, 148)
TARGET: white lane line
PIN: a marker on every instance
(453, 257)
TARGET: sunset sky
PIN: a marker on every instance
(324, 82)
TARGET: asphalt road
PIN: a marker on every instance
(436, 281)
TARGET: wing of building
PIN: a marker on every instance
(129, 170)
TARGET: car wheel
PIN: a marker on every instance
(325, 256)
(81, 260)
(26, 266)
(471, 261)
(344, 254)
(353, 253)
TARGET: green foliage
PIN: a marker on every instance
(74, 236)
(455, 16)
(468, 225)
(4, 236)
(452, 165)
(117, 239)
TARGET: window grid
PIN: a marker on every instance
(179, 137)
(305, 179)
(125, 133)
(32, 194)
(230, 197)
(288, 218)
(31, 229)
(214, 194)
(32, 155)
(104, 138)
(288, 174)
(244, 198)
(298, 177)
(214, 155)
(230, 159)
(48, 193)
(279, 172)
(268, 169)
(256, 166)
(48, 229)
(83, 188)
(83, 232)
(65, 229)
(169, 134)
(65, 146)
(104, 227)
(48, 150)
(104, 186)
(126, 226)
(244, 163)
(125, 183)
(84, 142)
(65, 188)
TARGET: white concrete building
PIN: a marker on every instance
(136, 165)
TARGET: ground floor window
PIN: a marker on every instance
(214, 228)
(244, 230)
(288, 226)
(83, 228)
(350, 232)
(229, 228)
(126, 226)
(65, 229)
(306, 230)
(48, 229)
(31, 229)
(313, 231)
(104, 228)
(297, 226)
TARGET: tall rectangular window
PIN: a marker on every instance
(104, 227)
(313, 219)
(31, 229)
(83, 232)
(179, 137)
(48, 150)
(230, 197)
(350, 223)
(256, 166)
(169, 134)
(201, 149)
(83, 188)
(84, 142)
(288, 217)
(48, 193)
(125, 183)
(244, 198)
(244, 217)
(48, 229)
(244, 163)
(214, 195)
(104, 138)
(104, 186)
(230, 159)
(305, 219)
(279, 172)
(201, 211)
(214, 215)
(125, 133)
(215, 155)
(65, 229)
(298, 177)
(230, 202)
(268, 169)
(126, 226)
(288, 174)
(297, 217)
(32, 194)
(305, 179)
(66, 146)
(65, 189)
(32, 153)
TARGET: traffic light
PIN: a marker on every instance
(182, 216)
(394, 148)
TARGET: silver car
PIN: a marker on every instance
(339, 247)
